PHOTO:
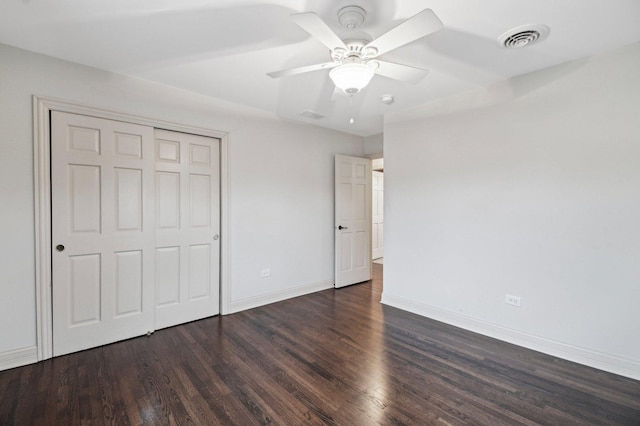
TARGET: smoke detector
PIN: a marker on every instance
(351, 17)
(523, 36)
(387, 99)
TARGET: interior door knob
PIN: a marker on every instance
(60, 247)
(342, 227)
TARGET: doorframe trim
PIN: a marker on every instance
(42, 106)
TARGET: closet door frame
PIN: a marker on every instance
(42, 108)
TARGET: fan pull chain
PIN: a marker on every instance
(351, 120)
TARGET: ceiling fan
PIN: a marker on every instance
(355, 60)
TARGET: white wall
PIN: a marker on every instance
(282, 209)
(373, 146)
(537, 196)
(281, 182)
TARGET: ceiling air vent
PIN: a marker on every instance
(311, 114)
(523, 36)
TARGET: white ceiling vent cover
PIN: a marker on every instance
(523, 36)
(311, 114)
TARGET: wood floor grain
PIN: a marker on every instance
(332, 357)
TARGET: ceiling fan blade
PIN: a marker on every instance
(418, 26)
(300, 70)
(401, 72)
(314, 25)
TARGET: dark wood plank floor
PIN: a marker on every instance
(333, 357)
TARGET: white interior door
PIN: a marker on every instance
(352, 220)
(377, 218)
(103, 231)
(188, 227)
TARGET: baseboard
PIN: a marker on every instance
(277, 296)
(601, 361)
(18, 357)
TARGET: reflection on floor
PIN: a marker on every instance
(376, 280)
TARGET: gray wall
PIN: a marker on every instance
(281, 183)
(534, 194)
(374, 145)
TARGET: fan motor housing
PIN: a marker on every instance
(355, 48)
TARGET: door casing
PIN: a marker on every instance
(42, 108)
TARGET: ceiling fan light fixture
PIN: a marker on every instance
(351, 77)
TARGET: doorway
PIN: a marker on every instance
(377, 223)
(377, 211)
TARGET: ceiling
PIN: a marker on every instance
(224, 48)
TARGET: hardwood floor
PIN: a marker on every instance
(332, 357)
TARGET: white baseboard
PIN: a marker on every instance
(277, 296)
(18, 357)
(601, 361)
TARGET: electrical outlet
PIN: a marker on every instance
(265, 273)
(512, 300)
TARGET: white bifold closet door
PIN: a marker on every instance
(188, 226)
(135, 230)
(103, 231)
